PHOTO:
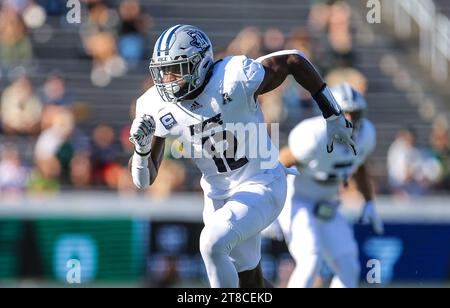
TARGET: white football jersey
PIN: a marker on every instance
(204, 126)
(322, 173)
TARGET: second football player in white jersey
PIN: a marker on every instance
(203, 103)
(310, 222)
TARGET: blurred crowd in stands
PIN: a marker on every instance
(65, 155)
(413, 170)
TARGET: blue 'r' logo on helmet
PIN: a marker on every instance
(199, 40)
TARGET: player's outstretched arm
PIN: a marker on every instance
(281, 64)
(363, 182)
(148, 154)
(369, 214)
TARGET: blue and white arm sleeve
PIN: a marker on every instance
(139, 171)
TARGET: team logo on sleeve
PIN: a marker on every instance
(226, 98)
(199, 40)
(168, 121)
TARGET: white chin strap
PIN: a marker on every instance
(174, 87)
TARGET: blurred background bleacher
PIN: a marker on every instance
(100, 68)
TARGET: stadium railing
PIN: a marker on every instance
(434, 31)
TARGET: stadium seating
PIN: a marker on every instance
(389, 107)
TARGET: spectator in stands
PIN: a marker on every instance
(133, 27)
(340, 34)
(402, 159)
(106, 62)
(15, 46)
(54, 92)
(81, 170)
(440, 147)
(57, 129)
(44, 178)
(411, 171)
(21, 109)
(300, 39)
(248, 42)
(77, 138)
(100, 19)
(319, 15)
(334, 18)
(50, 162)
(13, 174)
(273, 40)
(54, 141)
(99, 41)
(105, 155)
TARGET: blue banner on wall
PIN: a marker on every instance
(407, 252)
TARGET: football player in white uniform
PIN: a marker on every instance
(310, 222)
(196, 99)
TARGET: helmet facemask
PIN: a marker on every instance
(352, 103)
(176, 79)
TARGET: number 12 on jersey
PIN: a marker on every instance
(228, 156)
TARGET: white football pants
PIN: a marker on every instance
(230, 243)
(310, 239)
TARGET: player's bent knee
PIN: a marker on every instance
(215, 242)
